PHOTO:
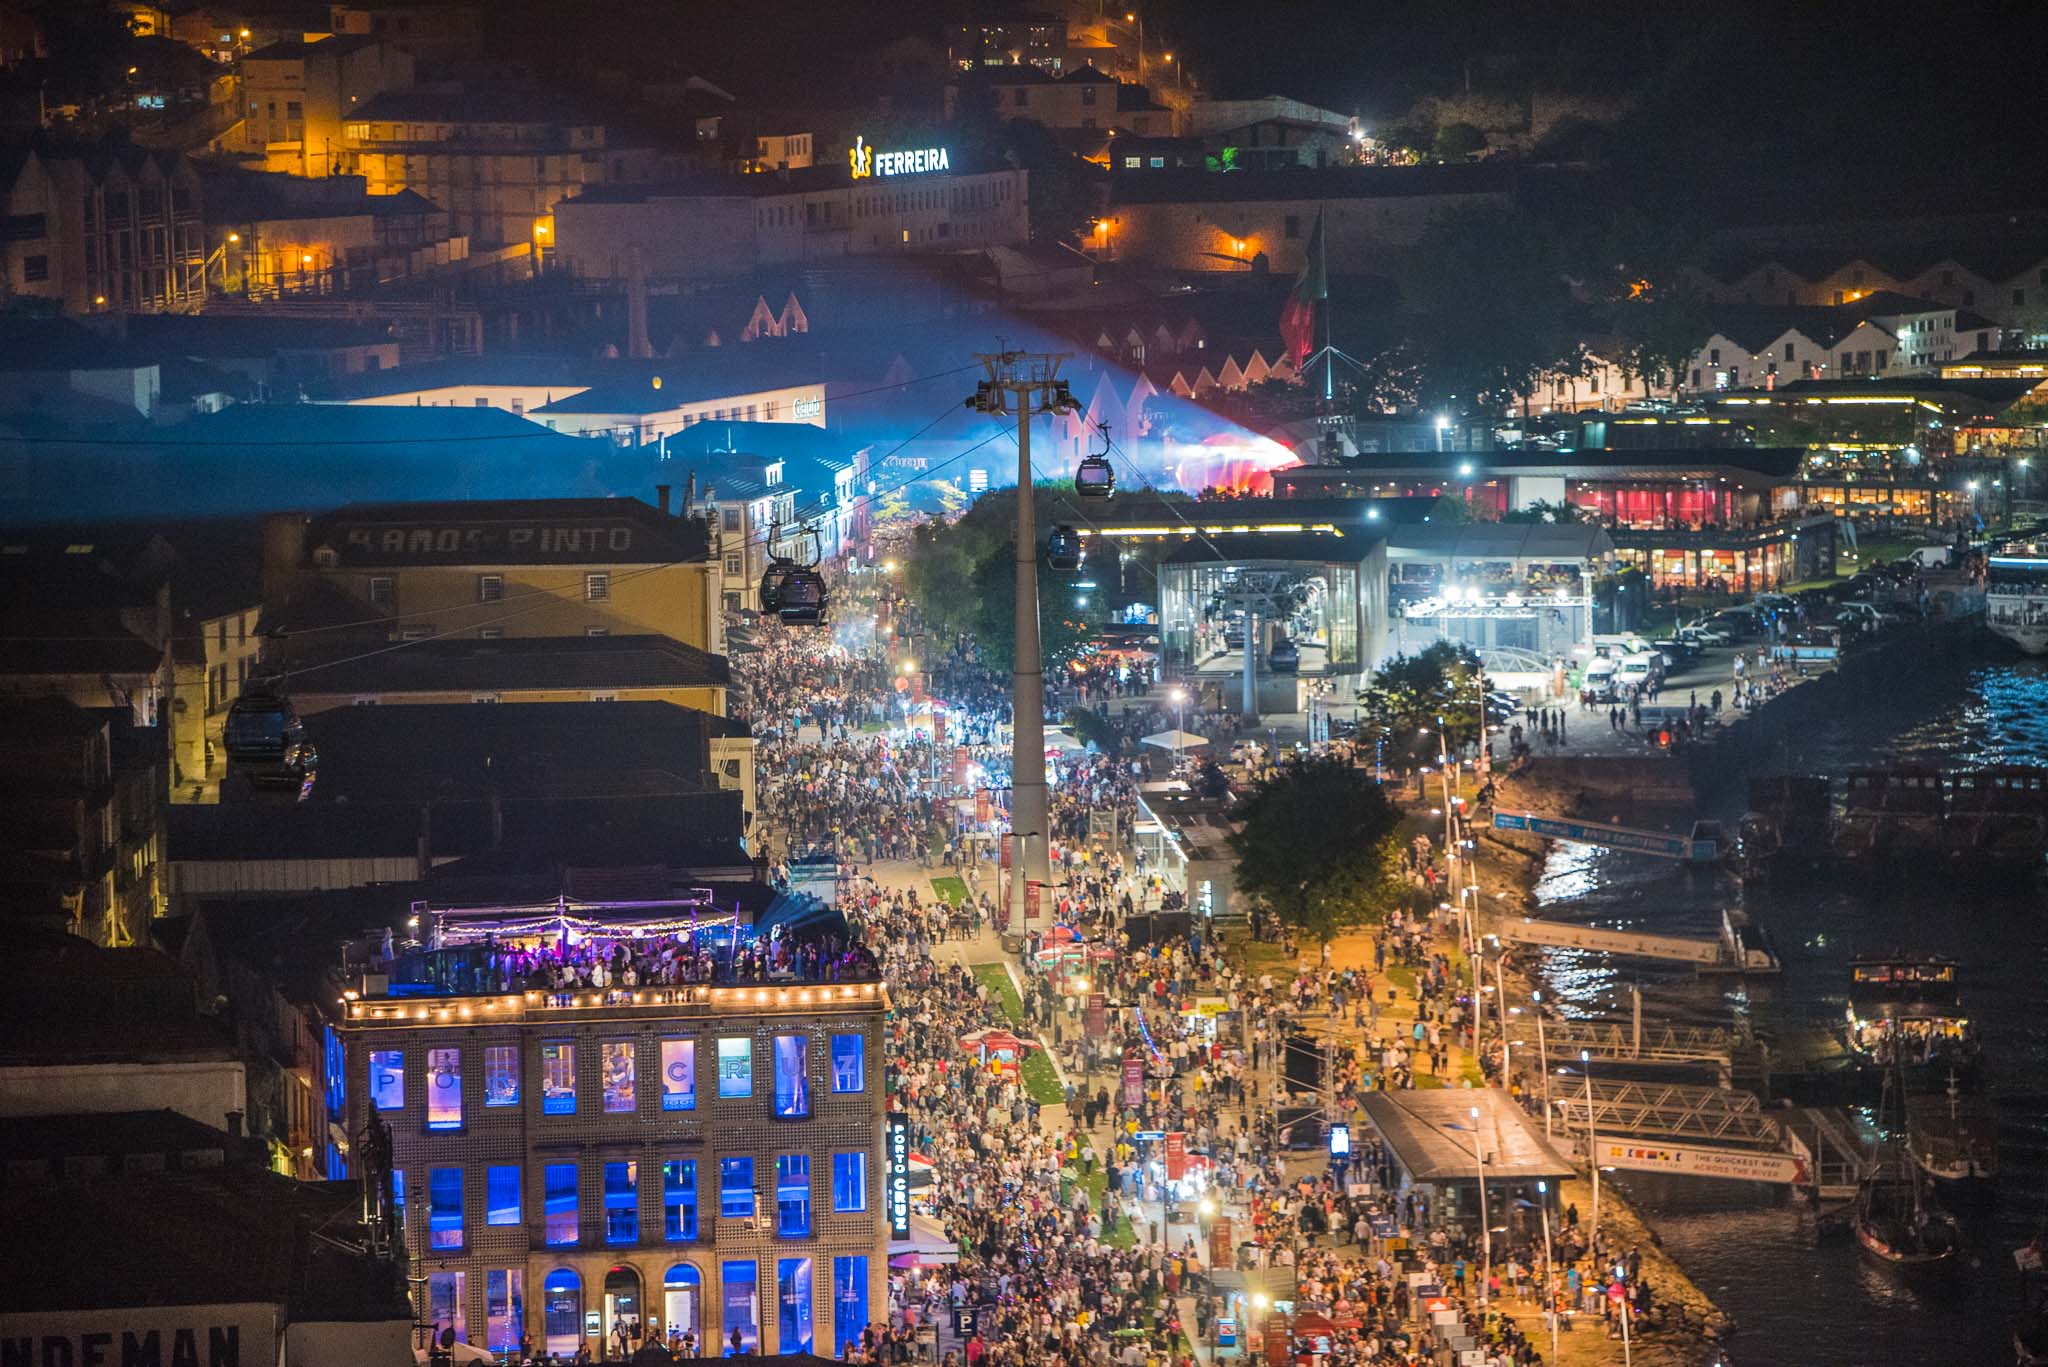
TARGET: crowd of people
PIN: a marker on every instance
(1072, 1253)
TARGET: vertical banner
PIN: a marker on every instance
(1134, 1078)
(898, 1139)
(1034, 904)
(1097, 1019)
(938, 728)
(983, 808)
(1005, 894)
(1176, 1155)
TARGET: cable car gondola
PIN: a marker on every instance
(1063, 549)
(264, 740)
(1093, 477)
(1285, 657)
(793, 589)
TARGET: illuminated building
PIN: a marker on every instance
(702, 1157)
(106, 228)
(297, 95)
(570, 567)
(862, 200)
(1198, 221)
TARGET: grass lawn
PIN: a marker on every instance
(1040, 1081)
(954, 890)
(873, 728)
(1403, 977)
(998, 979)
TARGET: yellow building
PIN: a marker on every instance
(496, 569)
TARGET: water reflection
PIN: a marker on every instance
(1798, 1297)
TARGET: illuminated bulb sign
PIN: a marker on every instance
(866, 161)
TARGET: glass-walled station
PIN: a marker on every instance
(1300, 606)
(1520, 595)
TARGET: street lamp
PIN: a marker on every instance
(1485, 1232)
(1592, 1145)
(1179, 698)
(1549, 1296)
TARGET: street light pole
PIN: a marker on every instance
(1592, 1145)
(1549, 1296)
(1026, 384)
(1543, 1060)
(1485, 1230)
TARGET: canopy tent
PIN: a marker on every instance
(1062, 742)
(1176, 740)
(926, 1246)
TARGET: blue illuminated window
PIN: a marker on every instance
(444, 1207)
(793, 1300)
(849, 1063)
(501, 1194)
(792, 1080)
(850, 1181)
(735, 1068)
(444, 1089)
(849, 1302)
(501, 1075)
(741, 1284)
(387, 1079)
(622, 1203)
(735, 1188)
(679, 1199)
(560, 1198)
(558, 1077)
(793, 1195)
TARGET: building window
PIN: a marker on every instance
(849, 1302)
(849, 1063)
(490, 588)
(732, 567)
(501, 1075)
(501, 1194)
(559, 1204)
(679, 1199)
(444, 1208)
(793, 1298)
(561, 1298)
(382, 590)
(35, 268)
(792, 1077)
(1291, 226)
(597, 631)
(793, 1195)
(597, 586)
(730, 519)
(620, 1085)
(735, 1188)
(735, 1068)
(490, 633)
(387, 1079)
(398, 1197)
(742, 1305)
(447, 1303)
(679, 1075)
(558, 1077)
(622, 1203)
(850, 1182)
(444, 1089)
(504, 1308)
(682, 1290)
(1788, 351)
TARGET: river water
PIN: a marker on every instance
(1796, 1298)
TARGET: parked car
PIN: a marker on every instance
(1677, 650)
(1705, 633)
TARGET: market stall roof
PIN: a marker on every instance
(927, 1244)
(1431, 1135)
(1176, 740)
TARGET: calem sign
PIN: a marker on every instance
(866, 161)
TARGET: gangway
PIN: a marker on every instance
(1736, 951)
(1702, 846)
(1713, 1132)
(1623, 1042)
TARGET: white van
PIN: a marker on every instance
(1599, 676)
(1637, 671)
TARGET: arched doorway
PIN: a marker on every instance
(682, 1304)
(622, 1310)
(562, 1311)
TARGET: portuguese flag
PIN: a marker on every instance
(1311, 287)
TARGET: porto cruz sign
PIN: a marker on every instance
(866, 161)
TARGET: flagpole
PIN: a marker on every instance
(1323, 274)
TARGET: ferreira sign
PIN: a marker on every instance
(866, 161)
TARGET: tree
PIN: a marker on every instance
(1063, 635)
(1661, 328)
(1491, 307)
(1457, 141)
(1540, 511)
(1317, 847)
(1416, 701)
